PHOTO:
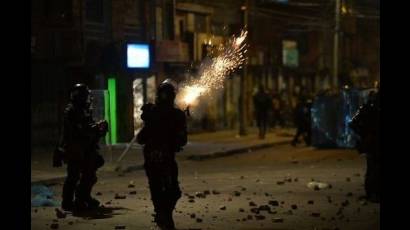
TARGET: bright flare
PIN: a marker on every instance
(213, 74)
(191, 93)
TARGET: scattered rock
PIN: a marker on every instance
(249, 217)
(294, 206)
(317, 185)
(289, 180)
(255, 210)
(243, 189)
(98, 194)
(260, 217)
(131, 186)
(349, 194)
(357, 174)
(348, 179)
(244, 219)
(207, 192)
(295, 162)
(191, 201)
(264, 208)
(108, 202)
(198, 220)
(118, 196)
(222, 207)
(277, 220)
(193, 215)
(120, 227)
(236, 193)
(60, 214)
(315, 214)
(280, 183)
(242, 177)
(191, 197)
(70, 223)
(310, 202)
(296, 179)
(54, 226)
(274, 203)
(257, 180)
(282, 202)
(339, 212)
(200, 194)
(345, 203)
(35, 210)
(252, 203)
(229, 198)
(215, 192)
(241, 210)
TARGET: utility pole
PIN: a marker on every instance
(242, 93)
(336, 45)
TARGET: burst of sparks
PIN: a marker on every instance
(212, 77)
(192, 93)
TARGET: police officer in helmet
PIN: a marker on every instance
(78, 149)
(365, 124)
(163, 134)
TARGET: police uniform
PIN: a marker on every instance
(366, 124)
(79, 150)
(164, 133)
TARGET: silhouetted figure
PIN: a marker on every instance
(78, 148)
(263, 105)
(164, 133)
(276, 111)
(302, 121)
(365, 123)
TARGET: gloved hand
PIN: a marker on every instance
(102, 127)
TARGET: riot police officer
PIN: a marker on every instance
(78, 148)
(365, 123)
(302, 120)
(263, 106)
(163, 134)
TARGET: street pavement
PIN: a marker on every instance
(200, 146)
(274, 179)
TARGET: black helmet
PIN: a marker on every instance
(80, 95)
(166, 92)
